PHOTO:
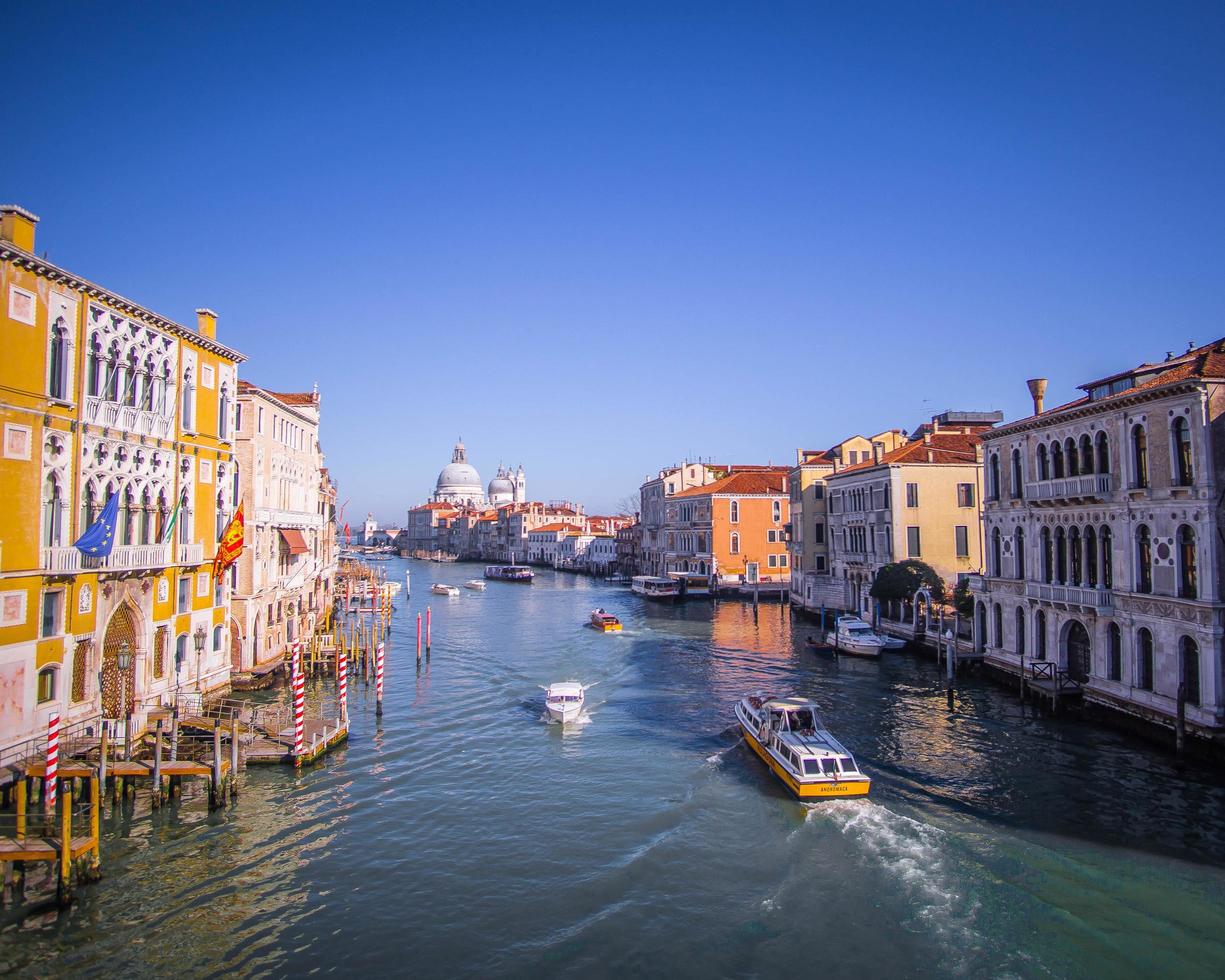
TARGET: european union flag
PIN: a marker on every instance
(98, 541)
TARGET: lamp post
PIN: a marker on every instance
(124, 660)
(198, 638)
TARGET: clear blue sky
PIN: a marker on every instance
(596, 238)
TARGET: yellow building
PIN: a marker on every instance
(101, 396)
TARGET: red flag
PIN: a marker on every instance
(347, 536)
(231, 543)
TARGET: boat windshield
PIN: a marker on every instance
(801, 720)
(860, 631)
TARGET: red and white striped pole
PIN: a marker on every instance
(342, 683)
(296, 667)
(53, 761)
(299, 716)
(429, 632)
(378, 681)
(418, 637)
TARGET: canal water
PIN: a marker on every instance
(465, 836)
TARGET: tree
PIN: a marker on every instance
(963, 601)
(899, 581)
(628, 505)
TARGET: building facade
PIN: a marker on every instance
(1103, 527)
(105, 397)
(283, 579)
(653, 516)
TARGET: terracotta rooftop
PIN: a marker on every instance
(557, 526)
(762, 480)
(945, 447)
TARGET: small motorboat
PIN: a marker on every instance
(564, 701)
(439, 589)
(789, 737)
(892, 642)
(852, 635)
(475, 584)
(819, 644)
(605, 622)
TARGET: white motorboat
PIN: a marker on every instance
(852, 635)
(439, 589)
(564, 701)
(790, 738)
(892, 642)
(655, 588)
(475, 584)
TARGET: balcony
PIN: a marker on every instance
(123, 558)
(1099, 600)
(287, 518)
(1095, 486)
(190, 554)
(99, 411)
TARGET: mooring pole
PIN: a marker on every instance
(378, 680)
(418, 638)
(157, 766)
(429, 632)
(214, 792)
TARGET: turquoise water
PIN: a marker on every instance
(463, 835)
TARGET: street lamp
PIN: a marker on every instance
(124, 660)
(198, 637)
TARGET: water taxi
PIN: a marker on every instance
(605, 622)
(691, 584)
(564, 701)
(655, 588)
(789, 736)
(439, 589)
(509, 573)
(475, 584)
(852, 635)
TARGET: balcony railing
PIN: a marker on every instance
(1071, 488)
(1100, 599)
(98, 411)
(190, 554)
(123, 558)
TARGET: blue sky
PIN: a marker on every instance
(596, 238)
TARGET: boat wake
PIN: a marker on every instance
(916, 855)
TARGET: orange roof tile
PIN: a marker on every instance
(556, 526)
(763, 480)
(944, 448)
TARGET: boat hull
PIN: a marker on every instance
(823, 790)
(565, 716)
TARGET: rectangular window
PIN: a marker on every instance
(820, 563)
(961, 534)
(912, 495)
(818, 534)
(818, 491)
(782, 561)
(965, 495)
(912, 543)
(238, 417)
(772, 561)
(778, 510)
(184, 594)
(53, 608)
(259, 419)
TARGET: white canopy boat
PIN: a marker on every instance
(852, 635)
(564, 701)
(439, 589)
(475, 584)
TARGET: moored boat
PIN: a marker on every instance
(788, 736)
(439, 589)
(655, 588)
(605, 622)
(509, 573)
(852, 635)
(475, 584)
(564, 701)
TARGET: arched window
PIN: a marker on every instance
(1019, 546)
(217, 631)
(1040, 635)
(1056, 460)
(130, 382)
(1188, 669)
(221, 517)
(93, 365)
(57, 381)
(993, 477)
(180, 652)
(1086, 454)
(1144, 559)
(1048, 562)
(735, 546)
(48, 682)
(1019, 616)
(163, 388)
(54, 511)
(1044, 467)
(146, 517)
(188, 394)
(112, 372)
(1144, 660)
(148, 377)
(89, 506)
(997, 621)
(1139, 456)
(223, 413)
(1074, 554)
(980, 624)
(1061, 558)
(1090, 578)
(735, 511)
(1188, 580)
(996, 558)
(1018, 489)
(1184, 472)
(1107, 542)
(1073, 458)
(1103, 453)
(1114, 653)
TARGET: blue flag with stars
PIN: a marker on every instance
(98, 541)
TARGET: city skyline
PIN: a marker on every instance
(551, 233)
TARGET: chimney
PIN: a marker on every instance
(876, 448)
(206, 323)
(17, 226)
(1037, 388)
(935, 423)
(927, 438)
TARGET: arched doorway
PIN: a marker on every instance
(235, 646)
(1078, 653)
(121, 629)
(980, 628)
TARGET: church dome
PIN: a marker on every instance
(500, 485)
(459, 476)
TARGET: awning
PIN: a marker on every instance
(293, 540)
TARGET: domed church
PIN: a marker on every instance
(459, 483)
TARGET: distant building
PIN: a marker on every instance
(459, 484)
(652, 543)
